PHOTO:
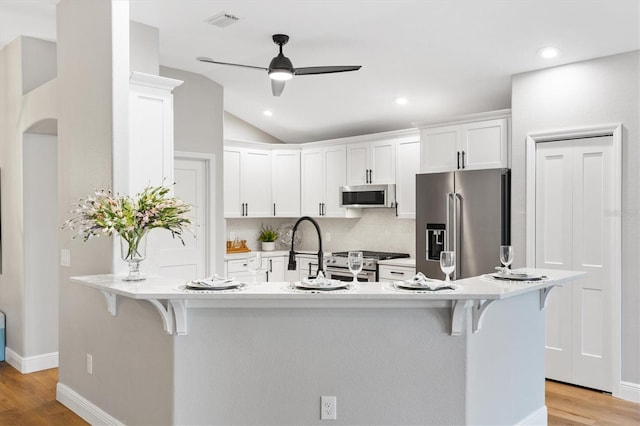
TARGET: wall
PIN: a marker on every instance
(600, 91)
(40, 189)
(144, 48)
(377, 229)
(93, 75)
(239, 130)
(38, 62)
(17, 114)
(198, 112)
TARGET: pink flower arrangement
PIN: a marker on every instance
(103, 214)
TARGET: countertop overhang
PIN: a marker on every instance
(173, 303)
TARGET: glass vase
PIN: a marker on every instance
(133, 251)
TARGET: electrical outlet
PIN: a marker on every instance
(65, 257)
(90, 364)
(327, 408)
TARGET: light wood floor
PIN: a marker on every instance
(30, 399)
(572, 405)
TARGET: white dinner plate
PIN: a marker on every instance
(328, 286)
(212, 285)
(517, 276)
(436, 285)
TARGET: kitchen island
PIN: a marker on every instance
(266, 354)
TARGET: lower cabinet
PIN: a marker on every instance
(272, 269)
(396, 273)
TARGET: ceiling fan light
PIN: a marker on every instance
(280, 75)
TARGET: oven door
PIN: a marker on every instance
(345, 275)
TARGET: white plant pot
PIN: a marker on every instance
(268, 246)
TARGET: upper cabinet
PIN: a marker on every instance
(371, 162)
(407, 166)
(149, 150)
(478, 141)
(245, 192)
(285, 182)
(323, 173)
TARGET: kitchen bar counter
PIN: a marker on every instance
(265, 355)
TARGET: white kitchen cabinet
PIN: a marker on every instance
(147, 157)
(247, 182)
(239, 270)
(272, 269)
(470, 143)
(285, 183)
(275, 268)
(395, 273)
(324, 171)
(407, 166)
(371, 162)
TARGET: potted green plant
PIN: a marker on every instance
(268, 235)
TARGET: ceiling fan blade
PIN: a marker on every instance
(211, 61)
(326, 70)
(277, 86)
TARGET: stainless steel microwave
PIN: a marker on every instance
(368, 196)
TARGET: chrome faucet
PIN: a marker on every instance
(292, 252)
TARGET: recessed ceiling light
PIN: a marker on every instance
(400, 100)
(548, 52)
(268, 112)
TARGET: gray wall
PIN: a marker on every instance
(237, 129)
(144, 48)
(90, 78)
(38, 62)
(600, 91)
(18, 113)
(40, 193)
(198, 112)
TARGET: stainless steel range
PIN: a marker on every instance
(336, 265)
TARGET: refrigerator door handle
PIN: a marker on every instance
(457, 212)
(447, 242)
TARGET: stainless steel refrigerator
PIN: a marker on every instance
(468, 212)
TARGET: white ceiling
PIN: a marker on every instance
(448, 57)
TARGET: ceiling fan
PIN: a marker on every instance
(281, 69)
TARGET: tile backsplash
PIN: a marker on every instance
(377, 229)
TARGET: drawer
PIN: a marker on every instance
(237, 265)
(396, 273)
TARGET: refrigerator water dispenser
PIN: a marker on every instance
(436, 237)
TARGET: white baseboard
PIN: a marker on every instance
(629, 391)
(537, 418)
(30, 364)
(83, 407)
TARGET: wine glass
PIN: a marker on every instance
(355, 263)
(254, 262)
(506, 257)
(447, 263)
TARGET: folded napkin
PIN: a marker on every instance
(422, 281)
(212, 282)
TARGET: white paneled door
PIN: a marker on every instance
(187, 261)
(575, 204)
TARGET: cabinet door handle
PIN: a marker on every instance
(274, 209)
(396, 273)
(458, 159)
(463, 159)
(319, 209)
(270, 265)
(246, 209)
(324, 209)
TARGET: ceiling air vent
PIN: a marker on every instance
(223, 19)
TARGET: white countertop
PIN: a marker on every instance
(407, 262)
(173, 302)
(267, 254)
(476, 288)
